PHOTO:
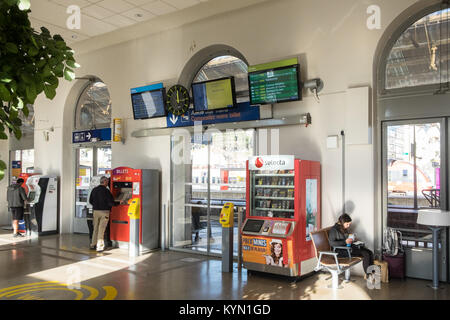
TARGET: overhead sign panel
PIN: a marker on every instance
(91, 135)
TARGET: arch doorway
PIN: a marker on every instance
(216, 171)
(93, 111)
(413, 115)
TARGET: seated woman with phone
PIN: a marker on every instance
(339, 236)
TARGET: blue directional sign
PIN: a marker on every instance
(243, 112)
(17, 164)
(92, 135)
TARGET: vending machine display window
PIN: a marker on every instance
(273, 194)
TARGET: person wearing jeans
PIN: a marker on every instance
(102, 201)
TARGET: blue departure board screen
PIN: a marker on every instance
(149, 104)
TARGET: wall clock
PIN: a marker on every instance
(178, 100)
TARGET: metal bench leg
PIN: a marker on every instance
(334, 280)
(347, 275)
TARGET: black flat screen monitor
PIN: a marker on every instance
(149, 104)
(275, 85)
(214, 94)
(253, 225)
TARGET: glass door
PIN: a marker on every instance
(213, 169)
(84, 173)
(414, 173)
(90, 161)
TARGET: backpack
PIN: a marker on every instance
(392, 241)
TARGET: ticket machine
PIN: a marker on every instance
(283, 207)
(128, 184)
(43, 192)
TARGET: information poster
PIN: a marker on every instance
(266, 251)
(311, 207)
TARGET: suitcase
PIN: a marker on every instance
(396, 265)
(384, 270)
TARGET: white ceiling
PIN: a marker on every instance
(100, 16)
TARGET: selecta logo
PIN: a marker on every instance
(259, 163)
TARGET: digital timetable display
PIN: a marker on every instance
(275, 85)
(149, 104)
(214, 94)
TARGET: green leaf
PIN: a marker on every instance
(69, 75)
(11, 47)
(20, 103)
(5, 78)
(3, 135)
(31, 93)
(26, 77)
(53, 81)
(50, 92)
(72, 64)
(18, 133)
(2, 169)
(33, 51)
(47, 71)
(41, 63)
(33, 40)
(60, 45)
(13, 114)
(25, 111)
(45, 31)
(24, 5)
(5, 95)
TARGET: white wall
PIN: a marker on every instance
(333, 43)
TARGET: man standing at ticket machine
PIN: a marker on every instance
(102, 201)
(16, 197)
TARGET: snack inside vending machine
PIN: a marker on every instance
(283, 207)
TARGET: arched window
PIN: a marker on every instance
(225, 66)
(94, 107)
(420, 57)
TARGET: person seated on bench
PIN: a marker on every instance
(338, 236)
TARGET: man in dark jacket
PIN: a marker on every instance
(102, 201)
(16, 197)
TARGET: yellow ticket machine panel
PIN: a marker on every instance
(227, 215)
(133, 209)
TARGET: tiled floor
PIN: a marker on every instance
(61, 267)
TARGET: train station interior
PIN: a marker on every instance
(224, 150)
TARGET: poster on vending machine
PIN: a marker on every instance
(265, 251)
(311, 207)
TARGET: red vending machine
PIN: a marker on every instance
(126, 184)
(283, 207)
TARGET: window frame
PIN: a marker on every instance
(215, 56)
(77, 122)
(382, 91)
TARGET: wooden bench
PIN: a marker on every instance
(328, 258)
